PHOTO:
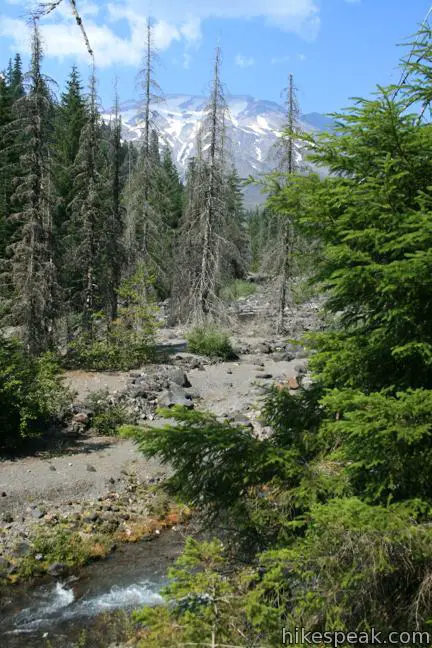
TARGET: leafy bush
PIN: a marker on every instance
(32, 396)
(210, 342)
(206, 604)
(108, 416)
(357, 567)
(126, 343)
(236, 289)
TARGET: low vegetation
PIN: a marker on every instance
(237, 289)
(211, 342)
(107, 415)
(32, 397)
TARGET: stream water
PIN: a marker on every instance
(57, 611)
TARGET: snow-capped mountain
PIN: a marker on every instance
(253, 128)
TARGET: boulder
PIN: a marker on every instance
(263, 347)
(178, 377)
(175, 395)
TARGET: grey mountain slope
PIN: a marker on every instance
(254, 126)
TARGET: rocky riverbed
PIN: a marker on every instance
(98, 491)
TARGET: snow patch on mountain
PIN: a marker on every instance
(254, 126)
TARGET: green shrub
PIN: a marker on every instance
(126, 343)
(107, 416)
(116, 350)
(236, 289)
(32, 396)
(210, 342)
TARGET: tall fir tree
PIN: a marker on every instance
(115, 224)
(71, 117)
(32, 267)
(88, 208)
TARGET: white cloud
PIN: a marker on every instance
(244, 61)
(299, 16)
(62, 40)
(174, 22)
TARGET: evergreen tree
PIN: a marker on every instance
(16, 84)
(11, 138)
(237, 256)
(173, 190)
(88, 208)
(5, 166)
(114, 232)
(32, 268)
(71, 117)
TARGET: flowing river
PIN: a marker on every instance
(55, 613)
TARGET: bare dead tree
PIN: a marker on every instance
(278, 258)
(202, 237)
(45, 8)
(144, 222)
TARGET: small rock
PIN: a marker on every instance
(53, 468)
(293, 383)
(37, 513)
(135, 374)
(39, 557)
(90, 468)
(7, 517)
(300, 369)
(240, 419)
(82, 418)
(284, 356)
(301, 354)
(178, 377)
(263, 347)
(92, 517)
(3, 494)
(56, 569)
(264, 376)
(229, 371)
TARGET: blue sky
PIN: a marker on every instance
(336, 49)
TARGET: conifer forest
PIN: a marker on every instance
(305, 506)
